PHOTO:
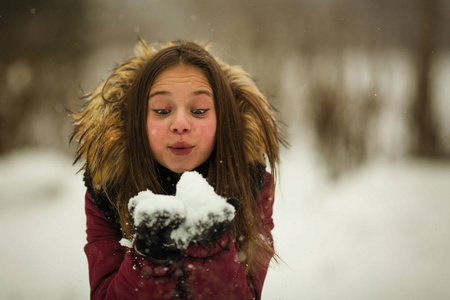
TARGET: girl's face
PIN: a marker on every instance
(181, 120)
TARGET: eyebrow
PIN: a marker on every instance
(203, 92)
(163, 93)
(166, 93)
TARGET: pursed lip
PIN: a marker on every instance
(181, 145)
(181, 148)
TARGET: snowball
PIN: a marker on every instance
(195, 202)
(147, 207)
(204, 208)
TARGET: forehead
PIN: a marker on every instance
(181, 76)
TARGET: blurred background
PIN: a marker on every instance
(361, 88)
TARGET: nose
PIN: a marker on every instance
(180, 123)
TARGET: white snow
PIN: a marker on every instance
(203, 208)
(380, 233)
(195, 202)
(147, 206)
(43, 226)
(126, 243)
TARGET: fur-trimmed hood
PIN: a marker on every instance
(100, 125)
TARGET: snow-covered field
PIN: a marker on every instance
(380, 233)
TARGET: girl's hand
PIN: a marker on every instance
(208, 215)
(196, 215)
(155, 217)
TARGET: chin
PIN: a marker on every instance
(180, 169)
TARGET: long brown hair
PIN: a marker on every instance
(232, 158)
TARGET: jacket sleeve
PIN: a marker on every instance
(265, 202)
(118, 273)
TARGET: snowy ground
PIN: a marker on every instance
(380, 233)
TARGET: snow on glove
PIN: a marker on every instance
(155, 217)
(208, 215)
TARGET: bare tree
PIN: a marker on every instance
(40, 44)
(424, 125)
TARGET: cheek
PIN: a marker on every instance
(154, 133)
(209, 133)
(154, 126)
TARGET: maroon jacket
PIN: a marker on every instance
(211, 271)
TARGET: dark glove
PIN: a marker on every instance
(155, 217)
(218, 229)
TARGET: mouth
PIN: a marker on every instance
(181, 148)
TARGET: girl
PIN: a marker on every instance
(158, 115)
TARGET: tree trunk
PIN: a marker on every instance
(425, 128)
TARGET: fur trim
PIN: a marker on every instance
(254, 107)
(100, 126)
(102, 202)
